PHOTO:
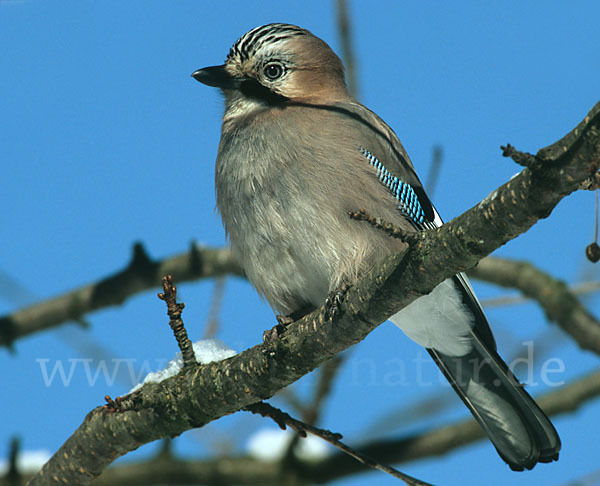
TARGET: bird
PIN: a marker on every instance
(298, 153)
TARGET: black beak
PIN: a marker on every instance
(216, 76)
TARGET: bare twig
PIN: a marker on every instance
(328, 371)
(345, 29)
(212, 322)
(283, 419)
(388, 228)
(13, 475)
(592, 251)
(310, 413)
(437, 157)
(524, 159)
(291, 398)
(174, 311)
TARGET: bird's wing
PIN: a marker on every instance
(451, 324)
(382, 149)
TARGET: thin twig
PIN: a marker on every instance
(174, 311)
(596, 219)
(310, 413)
(437, 157)
(345, 29)
(13, 475)
(327, 375)
(388, 228)
(524, 159)
(291, 398)
(283, 419)
(212, 322)
(592, 251)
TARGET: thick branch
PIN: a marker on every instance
(246, 470)
(141, 274)
(559, 303)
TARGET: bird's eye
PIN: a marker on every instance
(273, 71)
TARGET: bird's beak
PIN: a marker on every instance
(216, 76)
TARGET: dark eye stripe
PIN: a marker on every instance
(404, 193)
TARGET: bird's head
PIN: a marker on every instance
(273, 64)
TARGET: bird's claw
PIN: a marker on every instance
(334, 301)
(271, 335)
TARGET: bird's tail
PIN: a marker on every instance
(522, 434)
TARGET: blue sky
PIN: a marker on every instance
(105, 140)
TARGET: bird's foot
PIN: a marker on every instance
(283, 322)
(277, 330)
(334, 301)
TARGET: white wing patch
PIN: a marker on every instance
(438, 320)
(437, 220)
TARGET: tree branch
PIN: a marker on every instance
(141, 274)
(559, 303)
(582, 288)
(200, 394)
(245, 470)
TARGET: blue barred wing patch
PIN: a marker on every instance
(405, 195)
